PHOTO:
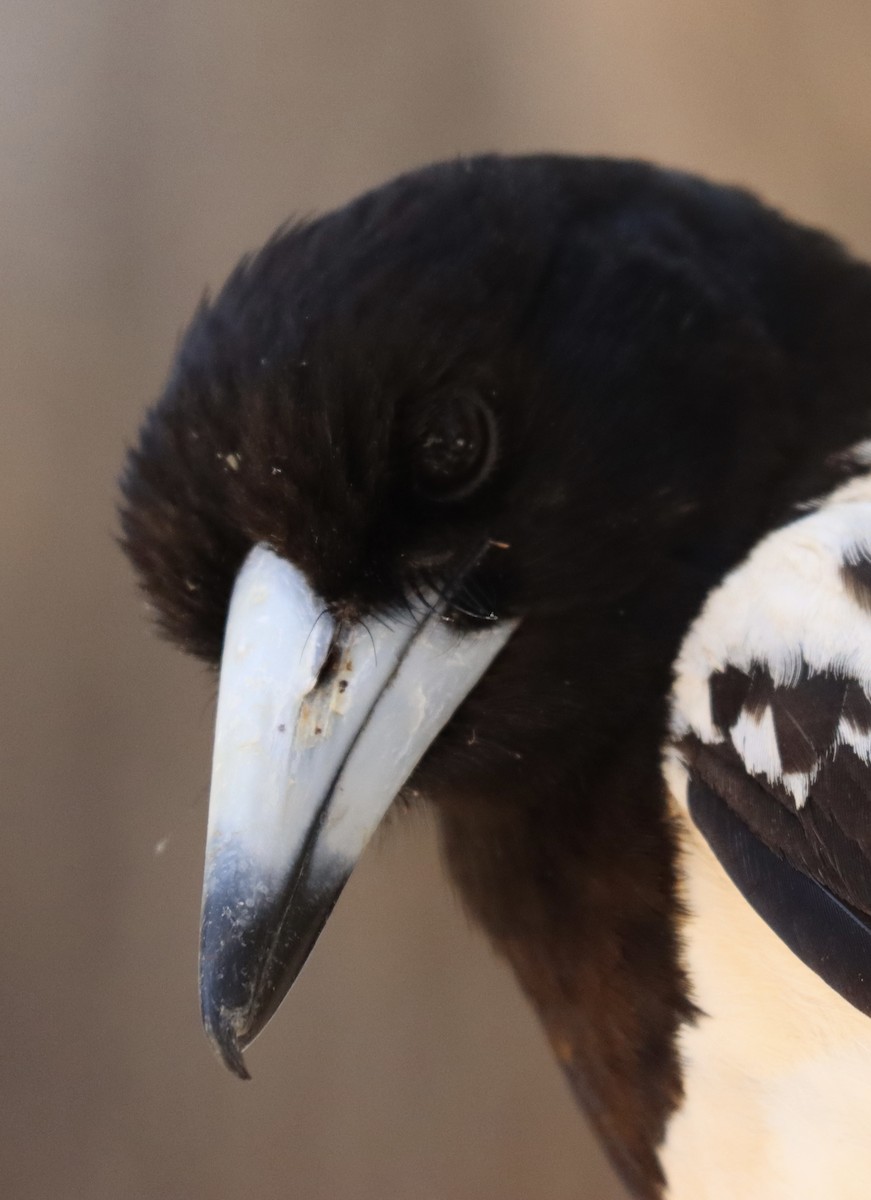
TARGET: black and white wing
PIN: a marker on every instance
(772, 724)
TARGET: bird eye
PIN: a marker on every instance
(454, 446)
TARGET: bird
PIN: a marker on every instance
(537, 491)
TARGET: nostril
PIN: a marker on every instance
(331, 663)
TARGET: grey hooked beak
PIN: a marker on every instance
(318, 728)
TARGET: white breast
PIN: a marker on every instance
(777, 1073)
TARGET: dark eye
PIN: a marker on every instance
(454, 446)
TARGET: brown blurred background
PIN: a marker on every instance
(143, 146)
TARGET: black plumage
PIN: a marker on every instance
(666, 370)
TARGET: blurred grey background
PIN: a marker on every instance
(143, 147)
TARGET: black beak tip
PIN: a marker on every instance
(225, 1041)
(248, 963)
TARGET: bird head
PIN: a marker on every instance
(438, 481)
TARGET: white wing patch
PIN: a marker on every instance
(755, 740)
(850, 735)
(778, 663)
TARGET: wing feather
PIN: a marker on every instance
(772, 698)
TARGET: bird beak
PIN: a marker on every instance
(318, 727)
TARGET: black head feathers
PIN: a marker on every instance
(619, 331)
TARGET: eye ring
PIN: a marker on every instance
(453, 446)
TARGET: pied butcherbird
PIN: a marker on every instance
(535, 490)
